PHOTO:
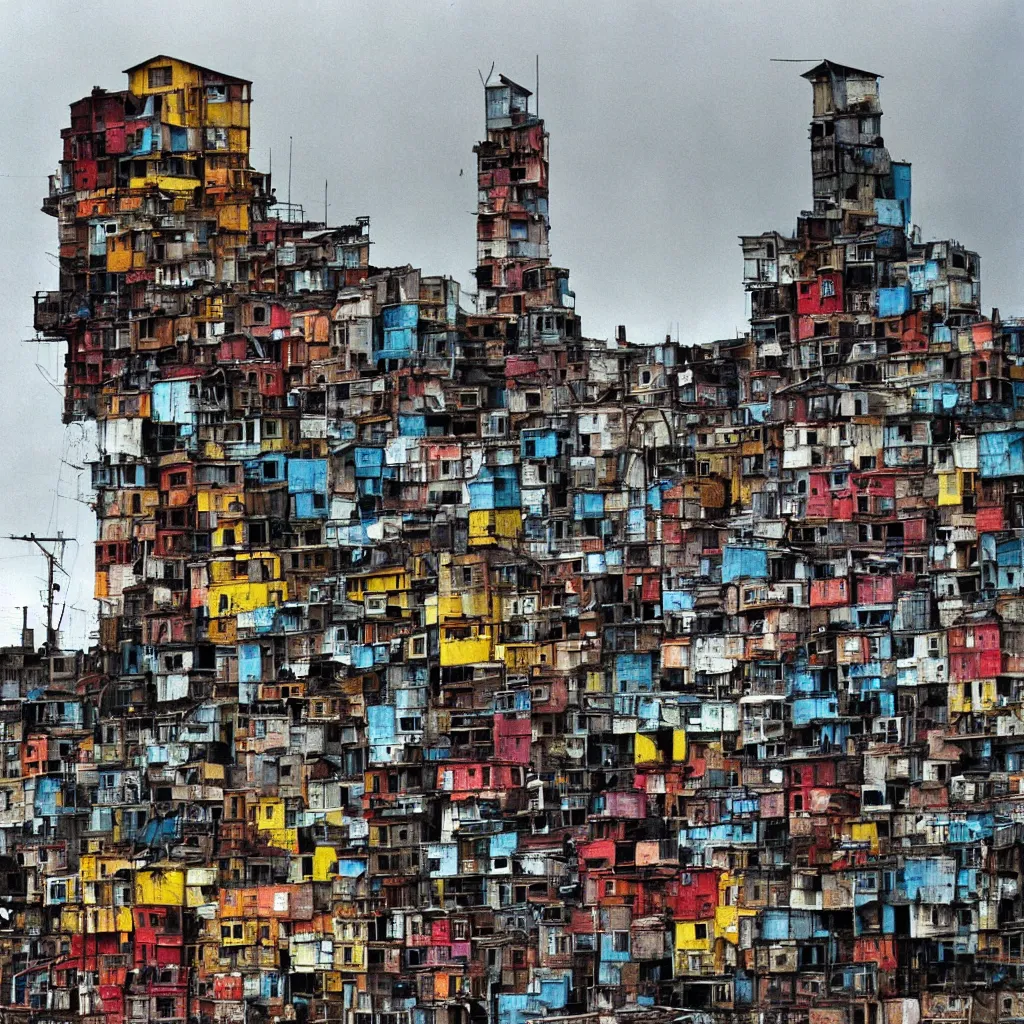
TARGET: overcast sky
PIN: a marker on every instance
(671, 134)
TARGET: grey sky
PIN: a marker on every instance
(672, 133)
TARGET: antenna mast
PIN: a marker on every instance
(289, 178)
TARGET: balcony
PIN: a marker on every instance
(50, 309)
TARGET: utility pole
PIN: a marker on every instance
(289, 179)
(51, 561)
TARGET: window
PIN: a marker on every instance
(620, 942)
(828, 288)
(216, 138)
(159, 78)
(700, 931)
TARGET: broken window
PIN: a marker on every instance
(159, 77)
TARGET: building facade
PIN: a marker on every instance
(456, 668)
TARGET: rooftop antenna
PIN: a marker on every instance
(795, 60)
(289, 178)
(325, 202)
(483, 80)
(536, 87)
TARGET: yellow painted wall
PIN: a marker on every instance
(119, 253)
(95, 867)
(377, 583)
(270, 820)
(686, 938)
(727, 915)
(160, 886)
(270, 814)
(973, 695)
(227, 115)
(243, 597)
(222, 570)
(324, 858)
(949, 488)
(219, 501)
(865, 831)
(165, 182)
(232, 217)
(678, 745)
(465, 652)
(517, 656)
(489, 526)
(247, 938)
(645, 750)
(183, 75)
